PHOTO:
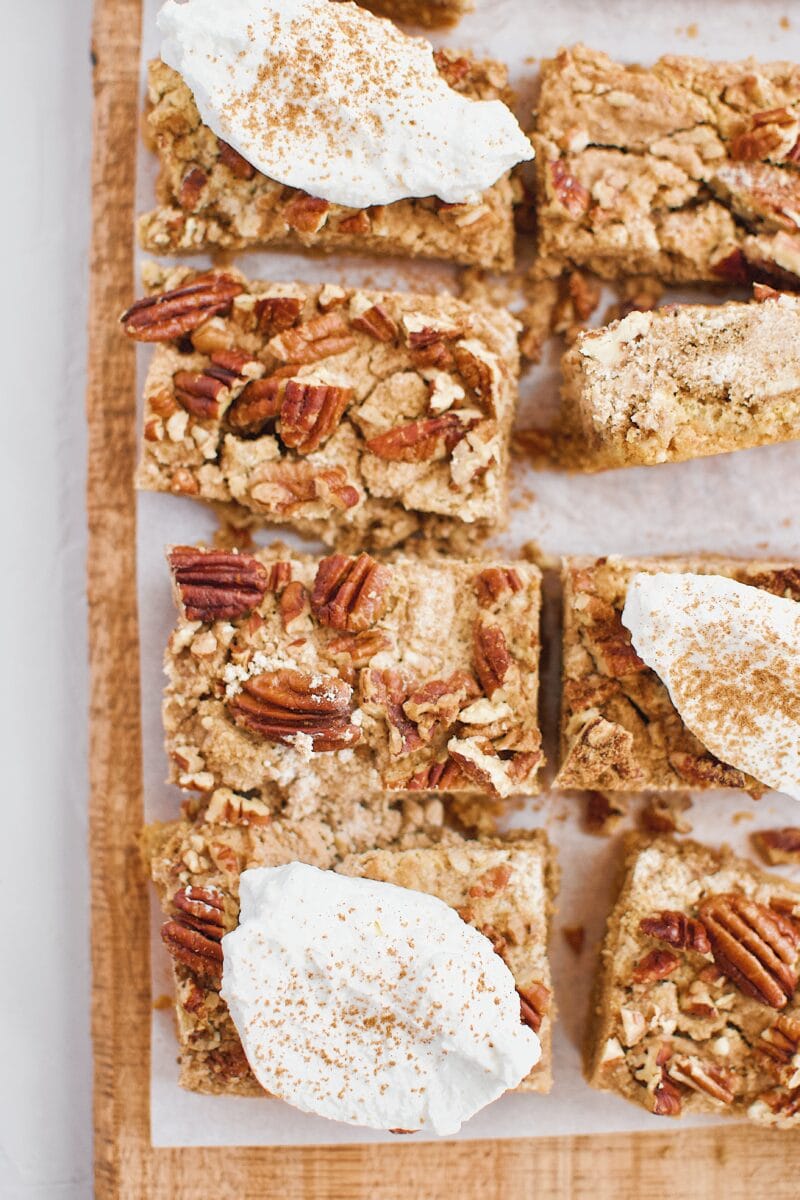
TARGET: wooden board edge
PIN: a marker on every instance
(685, 1164)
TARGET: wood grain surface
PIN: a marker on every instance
(733, 1163)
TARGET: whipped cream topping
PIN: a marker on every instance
(330, 99)
(370, 1003)
(729, 655)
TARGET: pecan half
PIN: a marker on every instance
(280, 573)
(436, 777)
(284, 487)
(193, 938)
(349, 593)
(170, 315)
(318, 338)
(534, 1004)
(274, 314)
(490, 655)
(421, 440)
(234, 161)
(383, 693)
(377, 323)
(677, 929)
(306, 214)
(474, 370)
(780, 1041)
(258, 403)
(437, 703)
(755, 947)
(217, 585)
(310, 413)
(197, 392)
(569, 191)
(201, 908)
(293, 604)
(493, 583)
(701, 1077)
(666, 1098)
(778, 845)
(658, 964)
(279, 705)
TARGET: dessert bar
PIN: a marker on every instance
(346, 414)
(305, 682)
(210, 198)
(619, 728)
(697, 1005)
(687, 170)
(504, 887)
(684, 381)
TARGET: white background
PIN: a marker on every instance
(45, 1064)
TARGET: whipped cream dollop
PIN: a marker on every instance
(328, 98)
(370, 1003)
(729, 655)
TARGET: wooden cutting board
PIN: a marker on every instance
(733, 1163)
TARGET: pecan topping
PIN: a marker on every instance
(491, 882)
(217, 585)
(257, 404)
(293, 604)
(233, 160)
(318, 338)
(171, 315)
(534, 1004)
(310, 413)
(610, 641)
(193, 938)
(197, 392)
(422, 440)
(701, 1077)
(201, 908)
(436, 777)
(274, 314)
(419, 335)
(377, 323)
(778, 845)
(437, 703)
(284, 487)
(475, 371)
(384, 692)
(280, 573)
(784, 582)
(494, 582)
(781, 1040)
(349, 593)
(454, 70)
(280, 705)
(707, 771)
(360, 648)
(678, 930)
(306, 214)
(658, 964)
(491, 656)
(569, 191)
(666, 1099)
(191, 188)
(771, 134)
(755, 947)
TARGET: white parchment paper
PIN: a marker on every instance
(745, 504)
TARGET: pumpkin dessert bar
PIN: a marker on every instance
(684, 381)
(306, 682)
(348, 415)
(504, 887)
(687, 170)
(619, 728)
(210, 198)
(697, 1003)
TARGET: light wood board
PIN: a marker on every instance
(733, 1163)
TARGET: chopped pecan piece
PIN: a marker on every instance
(349, 593)
(454, 69)
(191, 189)
(377, 323)
(491, 882)
(280, 573)
(436, 777)
(610, 642)
(384, 692)
(318, 338)
(234, 161)
(534, 1004)
(360, 648)
(666, 1098)
(706, 771)
(761, 193)
(306, 214)
(771, 134)
(217, 585)
(662, 814)
(274, 314)
(755, 947)
(677, 929)
(280, 705)
(420, 334)
(422, 440)
(493, 583)
(702, 1077)
(778, 845)
(490, 655)
(437, 703)
(170, 315)
(293, 604)
(658, 964)
(310, 413)
(474, 370)
(780, 1041)
(603, 812)
(258, 403)
(197, 392)
(569, 191)
(284, 487)
(785, 582)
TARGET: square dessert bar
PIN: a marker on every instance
(504, 887)
(619, 729)
(684, 381)
(302, 682)
(344, 413)
(697, 1003)
(211, 198)
(687, 170)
